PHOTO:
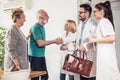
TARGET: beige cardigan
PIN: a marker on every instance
(15, 47)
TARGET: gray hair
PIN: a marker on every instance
(40, 13)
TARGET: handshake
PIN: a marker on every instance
(58, 40)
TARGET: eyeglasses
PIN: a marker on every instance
(82, 12)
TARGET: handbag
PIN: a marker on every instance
(78, 65)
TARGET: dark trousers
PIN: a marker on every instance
(38, 64)
(84, 78)
(63, 76)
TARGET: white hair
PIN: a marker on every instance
(40, 12)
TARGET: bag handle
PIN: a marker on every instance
(84, 55)
(75, 52)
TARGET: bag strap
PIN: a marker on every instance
(84, 55)
(75, 53)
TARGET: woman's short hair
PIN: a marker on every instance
(72, 25)
(15, 14)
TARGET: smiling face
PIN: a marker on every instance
(21, 20)
(70, 26)
(82, 14)
(98, 13)
(45, 17)
(66, 27)
(42, 17)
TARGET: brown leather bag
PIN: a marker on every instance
(77, 65)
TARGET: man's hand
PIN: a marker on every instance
(81, 48)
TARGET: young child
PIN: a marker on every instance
(68, 46)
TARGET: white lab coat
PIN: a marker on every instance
(88, 32)
(69, 40)
(107, 68)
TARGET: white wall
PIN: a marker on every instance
(59, 11)
(116, 14)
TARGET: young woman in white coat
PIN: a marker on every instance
(107, 68)
(68, 46)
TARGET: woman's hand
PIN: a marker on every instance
(92, 40)
(17, 68)
(16, 63)
(63, 47)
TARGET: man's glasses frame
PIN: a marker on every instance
(82, 12)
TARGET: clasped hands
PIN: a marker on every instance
(58, 40)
